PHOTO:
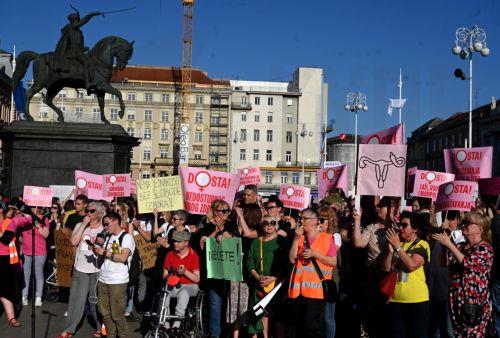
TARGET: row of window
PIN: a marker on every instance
(148, 134)
(269, 135)
(444, 143)
(288, 117)
(146, 154)
(132, 96)
(269, 155)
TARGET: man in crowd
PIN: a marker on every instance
(250, 194)
(81, 202)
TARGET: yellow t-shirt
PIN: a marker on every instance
(411, 286)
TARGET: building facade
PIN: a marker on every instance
(342, 149)
(5, 85)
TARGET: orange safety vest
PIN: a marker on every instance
(13, 256)
(304, 280)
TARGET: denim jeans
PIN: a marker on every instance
(330, 320)
(130, 299)
(495, 292)
(215, 310)
(40, 282)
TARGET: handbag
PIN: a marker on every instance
(264, 290)
(330, 292)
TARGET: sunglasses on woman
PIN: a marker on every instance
(92, 211)
(267, 223)
(403, 224)
(322, 219)
(224, 211)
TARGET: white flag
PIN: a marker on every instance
(395, 103)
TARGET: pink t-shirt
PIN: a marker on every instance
(18, 221)
(40, 244)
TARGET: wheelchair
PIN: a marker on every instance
(194, 324)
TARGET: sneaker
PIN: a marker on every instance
(38, 301)
(25, 301)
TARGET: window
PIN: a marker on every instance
(214, 157)
(164, 116)
(243, 154)
(113, 97)
(214, 138)
(243, 117)
(95, 113)
(244, 101)
(164, 134)
(199, 99)
(165, 98)
(131, 96)
(148, 115)
(198, 136)
(269, 155)
(79, 112)
(62, 94)
(163, 153)
(146, 175)
(269, 136)
(270, 101)
(270, 117)
(113, 114)
(256, 154)
(146, 154)
(288, 156)
(44, 114)
(289, 137)
(63, 108)
(289, 118)
(243, 134)
(198, 117)
(256, 135)
(197, 155)
(307, 179)
(284, 177)
(289, 102)
(257, 116)
(295, 178)
(215, 120)
(257, 101)
(79, 95)
(452, 140)
(148, 97)
(130, 131)
(131, 115)
(269, 177)
(147, 133)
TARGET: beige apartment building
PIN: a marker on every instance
(149, 95)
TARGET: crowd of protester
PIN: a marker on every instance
(381, 271)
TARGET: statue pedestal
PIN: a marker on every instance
(45, 153)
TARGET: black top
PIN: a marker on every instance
(495, 230)
(73, 220)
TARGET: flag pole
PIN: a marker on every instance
(400, 85)
(12, 117)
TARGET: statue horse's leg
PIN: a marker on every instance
(100, 99)
(106, 87)
(29, 94)
(51, 93)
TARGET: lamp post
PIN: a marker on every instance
(354, 102)
(469, 41)
(303, 134)
(235, 139)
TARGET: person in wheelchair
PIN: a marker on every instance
(182, 268)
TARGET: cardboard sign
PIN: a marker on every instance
(116, 185)
(427, 183)
(249, 176)
(457, 195)
(201, 187)
(381, 170)
(393, 135)
(147, 252)
(489, 186)
(295, 196)
(224, 259)
(65, 256)
(469, 164)
(63, 191)
(37, 196)
(88, 184)
(329, 178)
(164, 193)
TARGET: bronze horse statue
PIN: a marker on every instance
(101, 59)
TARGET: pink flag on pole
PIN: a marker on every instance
(427, 183)
(249, 175)
(295, 196)
(116, 185)
(489, 186)
(469, 164)
(456, 195)
(393, 135)
(332, 177)
(37, 196)
(201, 187)
(381, 169)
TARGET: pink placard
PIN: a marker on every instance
(249, 175)
(133, 188)
(469, 164)
(489, 186)
(116, 185)
(294, 196)
(333, 177)
(393, 135)
(201, 187)
(88, 184)
(456, 195)
(427, 183)
(381, 169)
(37, 196)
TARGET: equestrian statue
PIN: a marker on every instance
(73, 65)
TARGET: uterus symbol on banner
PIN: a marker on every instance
(382, 166)
(289, 192)
(202, 180)
(461, 156)
(81, 185)
(430, 177)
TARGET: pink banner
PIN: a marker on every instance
(90, 185)
(249, 175)
(469, 164)
(333, 177)
(456, 195)
(427, 183)
(393, 135)
(37, 196)
(489, 186)
(294, 196)
(381, 169)
(201, 187)
(116, 185)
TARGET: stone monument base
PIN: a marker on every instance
(46, 153)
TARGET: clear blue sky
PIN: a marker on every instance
(360, 45)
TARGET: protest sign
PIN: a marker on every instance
(469, 164)
(62, 191)
(224, 259)
(133, 188)
(410, 181)
(456, 195)
(65, 257)
(116, 185)
(88, 184)
(163, 193)
(329, 178)
(393, 135)
(37, 196)
(147, 252)
(201, 187)
(489, 186)
(295, 196)
(381, 169)
(427, 183)
(249, 176)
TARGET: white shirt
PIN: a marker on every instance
(114, 272)
(85, 260)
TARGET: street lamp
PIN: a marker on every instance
(469, 41)
(354, 102)
(303, 134)
(235, 140)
